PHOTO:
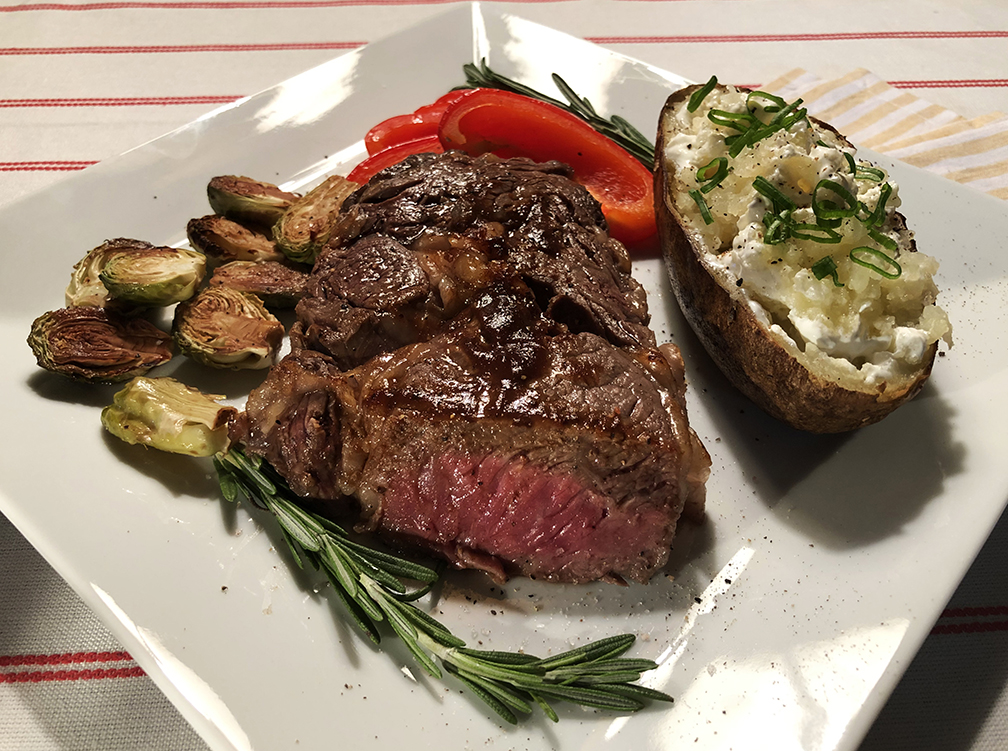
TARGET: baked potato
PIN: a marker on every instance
(790, 261)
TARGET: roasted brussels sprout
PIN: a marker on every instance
(153, 276)
(246, 200)
(224, 328)
(225, 240)
(305, 227)
(168, 415)
(279, 285)
(86, 288)
(97, 345)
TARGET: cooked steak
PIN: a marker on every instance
(421, 239)
(472, 366)
(503, 443)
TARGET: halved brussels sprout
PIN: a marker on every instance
(246, 200)
(86, 288)
(97, 345)
(153, 276)
(277, 284)
(305, 227)
(168, 415)
(226, 240)
(224, 328)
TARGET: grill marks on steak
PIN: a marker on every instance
(472, 365)
(416, 244)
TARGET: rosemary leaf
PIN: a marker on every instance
(370, 585)
(617, 128)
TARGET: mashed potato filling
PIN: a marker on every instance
(874, 320)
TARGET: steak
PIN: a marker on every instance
(417, 243)
(473, 372)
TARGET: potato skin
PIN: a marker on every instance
(757, 364)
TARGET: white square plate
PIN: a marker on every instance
(792, 612)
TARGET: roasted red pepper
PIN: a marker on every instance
(508, 124)
(423, 123)
(393, 155)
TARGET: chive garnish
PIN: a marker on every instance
(824, 267)
(766, 188)
(776, 102)
(824, 208)
(778, 230)
(712, 173)
(702, 205)
(742, 121)
(877, 216)
(816, 233)
(862, 257)
(867, 172)
(885, 241)
(850, 162)
(700, 94)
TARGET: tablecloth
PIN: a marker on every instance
(82, 81)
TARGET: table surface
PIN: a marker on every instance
(82, 81)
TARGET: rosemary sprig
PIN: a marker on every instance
(370, 584)
(615, 127)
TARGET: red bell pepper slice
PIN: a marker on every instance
(393, 155)
(422, 123)
(509, 124)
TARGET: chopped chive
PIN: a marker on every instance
(851, 163)
(885, 241)
(712, 174)
(742, 121)
(826, 209)
(861, 256)
(867, 172)
(766, 188)
(877, 216)
(776, 103)
(700, 94)
(777, 231)
(824, 267)
(702, 205)
(816, 233)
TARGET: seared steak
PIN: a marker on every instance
(472, 365)
(421, 239)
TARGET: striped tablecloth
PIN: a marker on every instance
(81, 81)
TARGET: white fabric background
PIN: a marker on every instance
(82, 81)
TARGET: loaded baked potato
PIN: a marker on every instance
(790, 261)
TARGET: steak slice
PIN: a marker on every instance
(503, 442)
(422, 239)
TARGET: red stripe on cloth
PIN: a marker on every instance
(157, 49)
(952, 83)
(67, 658)
(44, 166)
(43, 676)
(976, 627)
(221, 5)
(975, 612)
(829, 36)
(160, 101)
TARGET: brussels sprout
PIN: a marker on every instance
(305, 227)
(246, 200)
(278, 285)
(224, 328)
(225, 240)
(97, 345)
(86, 288)
(153, 276)
(168, 415)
